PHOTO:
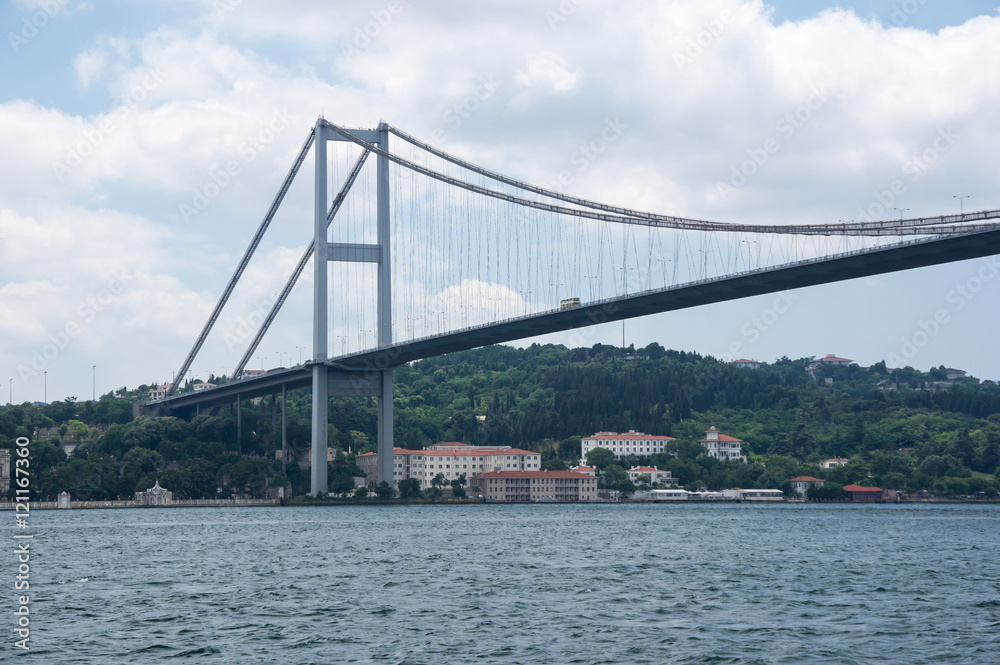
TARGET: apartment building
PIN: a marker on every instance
(539, 486)
(450, 460)
(625, 444)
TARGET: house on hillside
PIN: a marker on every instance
(721, 446)
(801, 484)
(654, 474)
(743, 362)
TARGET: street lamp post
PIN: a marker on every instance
(300, 353)
(94, 369)
(961, 208)
(901, 211)
(45, 387)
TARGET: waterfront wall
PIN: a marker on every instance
(176, 503)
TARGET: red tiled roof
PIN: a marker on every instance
(583, 468)
(745, 360)
(644, 469)
(532, 474)
(859, 488)
(631, 436)
(830, 358)
(806, 479)
(458, 453)
(722, 437)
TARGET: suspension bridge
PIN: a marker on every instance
(427, 253)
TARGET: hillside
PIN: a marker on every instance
(903, 429)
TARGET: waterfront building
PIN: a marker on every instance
(656, 476)
(4, 470)
(801, 484)
(721, 446)
(63, 501)
(450, 460)
(861, 494)
(828, 464)
(625, 444)
(155, 496)
(542, 486)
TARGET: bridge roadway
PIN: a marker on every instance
(356, 374)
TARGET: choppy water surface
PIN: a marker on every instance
(516, 584)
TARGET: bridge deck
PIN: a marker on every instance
(914, 254)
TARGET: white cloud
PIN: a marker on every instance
(852, 106)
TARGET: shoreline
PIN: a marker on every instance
(277, 503)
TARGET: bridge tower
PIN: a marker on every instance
(324, 252)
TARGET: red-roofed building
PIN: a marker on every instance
(583, 468)
(828, 359)
(450, 462)
(721, 446)
(544, 486)
(655, 475)
(801, 484)
(860, 494)
(744, 362)
(625, 444)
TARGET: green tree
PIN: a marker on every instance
(409, 489)
(600, 458)
(384, 490)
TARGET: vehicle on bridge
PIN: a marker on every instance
(569, 303)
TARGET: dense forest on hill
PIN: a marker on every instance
(903, 429)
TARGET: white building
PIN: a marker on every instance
(655, 475)
(450, 460)
(155, 496)
(746, 362)
(4, 470)
(721, 446)
(625, 444)
(834, 461)
(801, 484)
(198, 387)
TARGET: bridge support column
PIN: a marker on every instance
(386, 458)
(320, 385)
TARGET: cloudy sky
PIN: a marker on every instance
(116, 115)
